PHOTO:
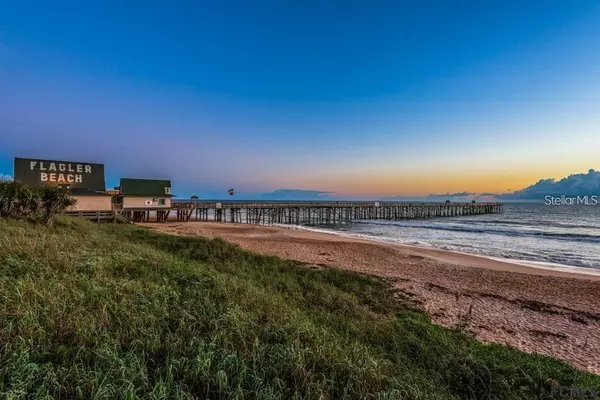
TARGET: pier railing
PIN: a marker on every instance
(320, 212)
(96, 216)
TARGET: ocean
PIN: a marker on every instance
(529, 234)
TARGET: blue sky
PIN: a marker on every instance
(358, 98)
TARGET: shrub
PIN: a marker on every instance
(18, 200)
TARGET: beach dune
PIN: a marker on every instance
(545, 311)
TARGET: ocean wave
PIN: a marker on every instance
(532, 223)
(581, 269)
(590, 223)
(497, 230)
(371, 237)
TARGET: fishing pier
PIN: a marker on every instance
(320, 213)
(289, 212)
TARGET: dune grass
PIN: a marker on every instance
(111, 311)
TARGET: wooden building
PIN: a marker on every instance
(91, 201)
(143, 194)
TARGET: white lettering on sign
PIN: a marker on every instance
(53, 176)
(50, 166)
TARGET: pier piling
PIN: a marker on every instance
(322, 213)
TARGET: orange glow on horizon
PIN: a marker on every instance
(393, 183)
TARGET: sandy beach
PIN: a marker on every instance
(543, 311)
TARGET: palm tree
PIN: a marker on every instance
(53, 201)
(17, 200)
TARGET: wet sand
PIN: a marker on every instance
(554, 313)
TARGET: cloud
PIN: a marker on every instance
(571, 186)
(457, 194)
(5, 177)
(294, 194)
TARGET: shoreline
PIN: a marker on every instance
(511, 265)
(543, 311)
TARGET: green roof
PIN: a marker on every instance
(145, 187)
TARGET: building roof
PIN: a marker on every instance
(86, 192)
(145, 187)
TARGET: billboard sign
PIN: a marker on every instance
(36, 172)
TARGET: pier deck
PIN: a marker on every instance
(318, 213)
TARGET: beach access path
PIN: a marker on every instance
(554, 313)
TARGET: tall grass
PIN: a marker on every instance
(110, 311)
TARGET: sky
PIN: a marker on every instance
(357, 98)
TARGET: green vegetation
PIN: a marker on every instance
(17, 200)
(111, 311)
